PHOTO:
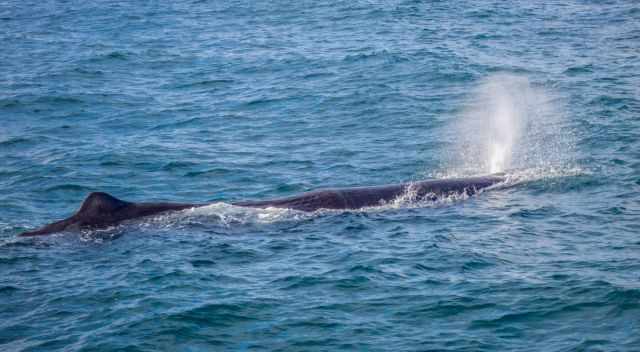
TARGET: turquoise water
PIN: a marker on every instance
(195, 101)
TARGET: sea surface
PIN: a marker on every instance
(221, 101)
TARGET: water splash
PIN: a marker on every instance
(224, 215)
(510, 124)
(228, 217)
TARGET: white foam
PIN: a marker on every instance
(224, 214)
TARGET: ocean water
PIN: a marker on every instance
(195, 101)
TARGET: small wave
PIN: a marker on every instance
(88, 72)
(483, 13)
(42, 100)
(579, 70)
(10, 103)
(117, 55)
(177, 124)
(202, 263)
(58, 100)
(376, 55)
(263, 101)
(218, 171)
(317, 75)
(19, 242)
(612, 102)
(222, 314)
(205, 83)
(14, 141)
(536, 213)
(68, 187)
(178, 165)
(8, 290)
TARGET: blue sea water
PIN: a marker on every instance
(195, 101)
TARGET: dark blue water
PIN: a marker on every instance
(197, 101)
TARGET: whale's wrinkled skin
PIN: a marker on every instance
(100, 210)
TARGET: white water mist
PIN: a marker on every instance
(508, 124)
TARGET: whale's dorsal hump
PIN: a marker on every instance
(98, 203)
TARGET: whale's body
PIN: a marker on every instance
(100, 210)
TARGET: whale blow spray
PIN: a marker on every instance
(497, 116)
(507, 124)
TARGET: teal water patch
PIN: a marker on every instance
(199, 101)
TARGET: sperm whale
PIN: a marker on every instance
(100, 210)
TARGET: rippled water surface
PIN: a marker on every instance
(207, 101)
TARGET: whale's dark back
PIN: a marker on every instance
(361, 197)
(100, 209)
(99, 203)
